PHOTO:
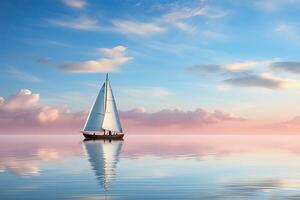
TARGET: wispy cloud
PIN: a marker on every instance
(265, 80)
(274, 5)
(136, 28)
(83, 23)
(288, 66)
(179, 16)
(243, 66)
(177, 118)
(127, 27)
(78, 4)
(113, 58)
(21, 75)
(252, 73)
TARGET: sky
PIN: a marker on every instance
(198, 66)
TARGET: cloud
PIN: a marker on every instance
(83, 23)
(78, 4)
(21, 75)
(48, 114)
(244, 66)
(113, 58)
(288, 66)
(23, 100)
(291, 125)
(274, 5)
(23, 112)
(136, 28)
(177, 118)
(184, 13)
(264, 80)
(180, 15)
(249, 73)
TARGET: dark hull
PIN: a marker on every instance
(103, 137)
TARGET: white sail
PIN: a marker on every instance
(96, 115)
(111, 120)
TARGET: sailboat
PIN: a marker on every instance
(104, 116)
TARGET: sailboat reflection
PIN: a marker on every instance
(103, 156)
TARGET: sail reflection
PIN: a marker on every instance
(103, 156)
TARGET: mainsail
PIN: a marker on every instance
(104, 113)
(111, 117)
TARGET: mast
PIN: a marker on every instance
(105, 101)
(105, 98)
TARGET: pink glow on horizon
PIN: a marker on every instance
(21, 113)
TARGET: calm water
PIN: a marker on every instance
(150, 167)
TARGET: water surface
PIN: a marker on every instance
(150, 167)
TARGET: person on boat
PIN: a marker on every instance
(109, 132)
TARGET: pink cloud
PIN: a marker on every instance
(176, 119)
(21, 113)
(291, 126)
(23, 100)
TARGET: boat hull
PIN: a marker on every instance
(103, 137)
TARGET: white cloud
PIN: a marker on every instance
(184, 13)
(136, 28)
(78, 4)
(82, 23)
(110, 63)
(25, 99)
(85, 23)
(245, 65)
(179, 16)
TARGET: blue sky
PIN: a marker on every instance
(239, 56)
